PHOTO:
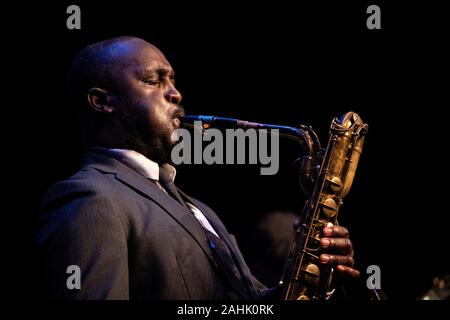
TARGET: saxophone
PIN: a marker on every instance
(303, 277)
(325, 177)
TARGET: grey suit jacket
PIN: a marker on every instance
(129, 239)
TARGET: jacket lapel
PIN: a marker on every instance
(229, 240)
(107, 163)
(215, 223)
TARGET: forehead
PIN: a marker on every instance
(145, 58)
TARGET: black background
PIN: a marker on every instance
(275, 63)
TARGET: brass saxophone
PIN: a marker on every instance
(303, 277)
(326, 175)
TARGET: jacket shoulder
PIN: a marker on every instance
(80, 200)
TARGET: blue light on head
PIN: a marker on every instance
(212, 244)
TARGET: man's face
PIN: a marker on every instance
(148, 102)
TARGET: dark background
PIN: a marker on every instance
(276, 63)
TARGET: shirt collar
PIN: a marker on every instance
(142, 164)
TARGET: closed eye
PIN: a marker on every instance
(152, 82)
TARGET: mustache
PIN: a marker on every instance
(178, 112)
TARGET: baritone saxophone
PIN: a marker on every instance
(325, 177)
(304, 278)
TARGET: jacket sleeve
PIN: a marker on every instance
(79, 229)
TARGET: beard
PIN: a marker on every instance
(154, 143)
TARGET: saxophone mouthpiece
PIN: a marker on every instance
(219, 122)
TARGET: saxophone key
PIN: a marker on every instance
(312, 274)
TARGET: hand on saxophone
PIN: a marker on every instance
(338, 251)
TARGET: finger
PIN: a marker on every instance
(335, 232)
(347, 271)
(343, 245)
(335, 260)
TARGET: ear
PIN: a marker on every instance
(100, 100)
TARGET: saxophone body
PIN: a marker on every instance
(304, 278)
(325, 177)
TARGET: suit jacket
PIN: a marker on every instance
(129, 239)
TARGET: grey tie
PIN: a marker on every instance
(169, 186)
(219, 249)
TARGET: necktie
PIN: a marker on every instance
(170, 187)
(227, 267)
(223, 258)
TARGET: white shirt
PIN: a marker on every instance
(150, 170)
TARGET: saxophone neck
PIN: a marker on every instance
(303, 135)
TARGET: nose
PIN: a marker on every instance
(173, 95)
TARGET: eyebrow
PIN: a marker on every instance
(158, 71)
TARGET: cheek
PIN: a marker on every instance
(148, 108)
(150, 111)
(158, 115)
(159, 120)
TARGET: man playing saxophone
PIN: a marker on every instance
(120, 220)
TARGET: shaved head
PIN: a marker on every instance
(97, 65)
(125, 91)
